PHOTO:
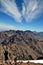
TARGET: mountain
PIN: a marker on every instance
(21, 45)
(38, 33)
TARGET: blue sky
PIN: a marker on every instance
(21, 15)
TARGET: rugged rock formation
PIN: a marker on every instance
(20, 45)
(18, 63)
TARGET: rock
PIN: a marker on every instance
(22, 45)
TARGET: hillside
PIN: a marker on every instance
(19, 63)
(21, 45)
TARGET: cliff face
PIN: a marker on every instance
(20, 45)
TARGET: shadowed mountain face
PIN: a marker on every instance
(21, 45)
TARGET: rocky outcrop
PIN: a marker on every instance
(20, 45)
(18, 63)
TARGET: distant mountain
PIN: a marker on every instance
(38, 33)
(24, 45)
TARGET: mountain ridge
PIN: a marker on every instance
(25, 44)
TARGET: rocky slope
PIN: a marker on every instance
(20, 45)
(18, 63)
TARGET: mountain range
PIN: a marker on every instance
(22, 45)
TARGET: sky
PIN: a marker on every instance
(21, 15)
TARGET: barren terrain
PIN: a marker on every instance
(21, 45)
(18, 63)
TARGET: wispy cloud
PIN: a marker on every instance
(6, 27)
(31, 9)
(9, 7)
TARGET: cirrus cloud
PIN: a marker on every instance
(4, 27)
(9, 7)
(31, 9)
